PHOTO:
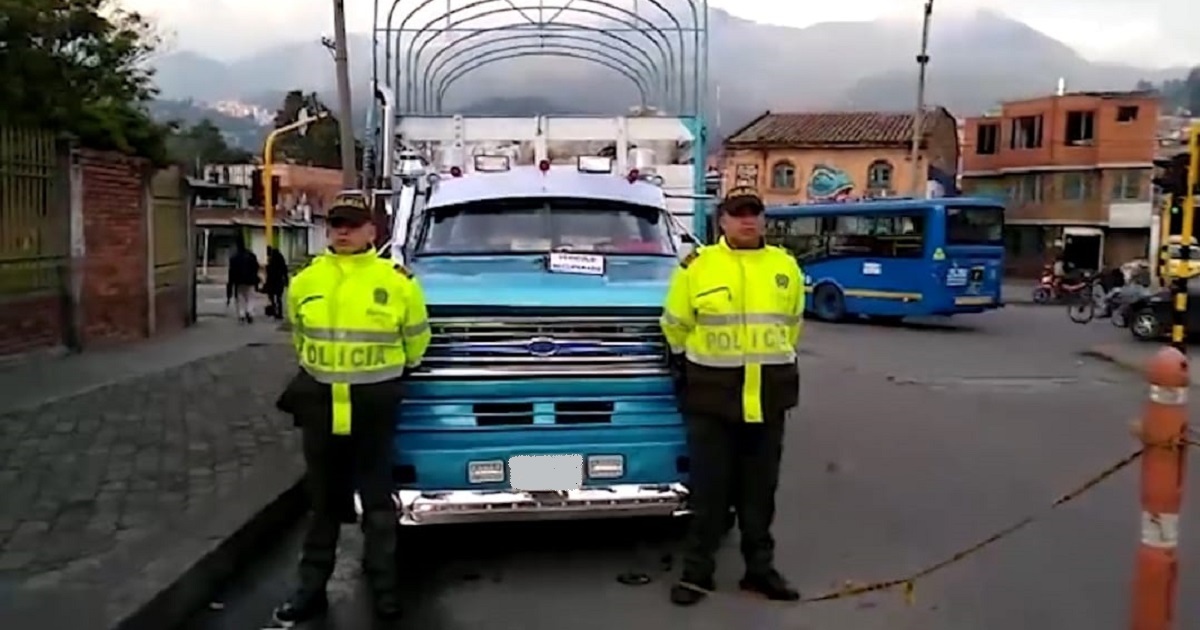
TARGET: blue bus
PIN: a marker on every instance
(895, 258)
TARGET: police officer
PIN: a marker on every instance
(733, 318)
(358, 322)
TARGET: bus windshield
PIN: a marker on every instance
(974, 225)
(536, 226)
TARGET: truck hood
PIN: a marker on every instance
(522, 281)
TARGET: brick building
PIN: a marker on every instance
(1075, 169)
(810, 157)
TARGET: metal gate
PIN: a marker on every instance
(171, 240)
(34, 215)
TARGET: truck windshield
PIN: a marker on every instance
(535, 226)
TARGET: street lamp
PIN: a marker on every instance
(303, 120)
(918, 180)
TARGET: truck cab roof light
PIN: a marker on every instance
(492, 163)
(594, 164)
(544, 166)
(455, 171)
(633, 176)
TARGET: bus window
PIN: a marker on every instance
(875, 236)
(974, 226)
(799, 235)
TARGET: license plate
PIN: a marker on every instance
(545, 473)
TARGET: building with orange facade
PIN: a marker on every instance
(830, 156)
(1075, 169)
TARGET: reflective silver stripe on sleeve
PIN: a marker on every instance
(415, 329)
(672, 320)
(329, 377)
(739, 360)
(748, 318)
(334, 334)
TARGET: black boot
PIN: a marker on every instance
(771, 585)
(302, 606)
(688, 592)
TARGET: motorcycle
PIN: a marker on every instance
(1057, 289)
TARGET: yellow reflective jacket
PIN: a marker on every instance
(736, 315)
(357, 319)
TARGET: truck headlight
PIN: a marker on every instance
(491, 471)
(605, 466)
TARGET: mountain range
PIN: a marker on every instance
(977, 60)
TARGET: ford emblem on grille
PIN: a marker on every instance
(542, 347)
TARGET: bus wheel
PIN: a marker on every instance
(828, 303)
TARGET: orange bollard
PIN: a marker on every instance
(1164, 427)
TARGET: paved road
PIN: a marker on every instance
(910, 443)
(99, 449)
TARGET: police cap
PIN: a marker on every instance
(742, 199)
(350, 207)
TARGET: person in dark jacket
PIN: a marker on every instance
(276, 282)
(243, 280)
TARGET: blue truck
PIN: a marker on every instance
(545, 393)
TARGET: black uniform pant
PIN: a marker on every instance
(338, 465)
(732, 464)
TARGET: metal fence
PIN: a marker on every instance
(34, 214)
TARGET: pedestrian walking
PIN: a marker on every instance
(359, 322)
(276, 282)
(243, 281)
(732, 318)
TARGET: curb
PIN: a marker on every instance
(164, 577)
(194, 569)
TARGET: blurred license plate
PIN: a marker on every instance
(545, 473)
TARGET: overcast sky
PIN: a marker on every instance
(1140, 32)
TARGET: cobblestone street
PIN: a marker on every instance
(85, 473)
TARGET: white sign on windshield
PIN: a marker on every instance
(582, 264)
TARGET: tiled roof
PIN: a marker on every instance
(824, 129)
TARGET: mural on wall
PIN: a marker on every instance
(829, 183)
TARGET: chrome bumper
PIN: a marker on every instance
(466, 506)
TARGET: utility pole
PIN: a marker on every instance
(345, 109)
(918, 178)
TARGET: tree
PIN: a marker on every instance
(203, 144)
(1191, 91)
(78, 66)
(320, 145)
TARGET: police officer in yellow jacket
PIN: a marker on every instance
(733, 318)
(359, 322)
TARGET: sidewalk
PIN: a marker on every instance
(126, 472)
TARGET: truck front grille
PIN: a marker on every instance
(544, 346)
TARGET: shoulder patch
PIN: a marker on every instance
(690, 258)
(402, 270)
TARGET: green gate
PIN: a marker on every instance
(34, 215)
(170, 236)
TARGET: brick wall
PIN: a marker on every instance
(114, 298)
(113, 302)
(29, 323)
